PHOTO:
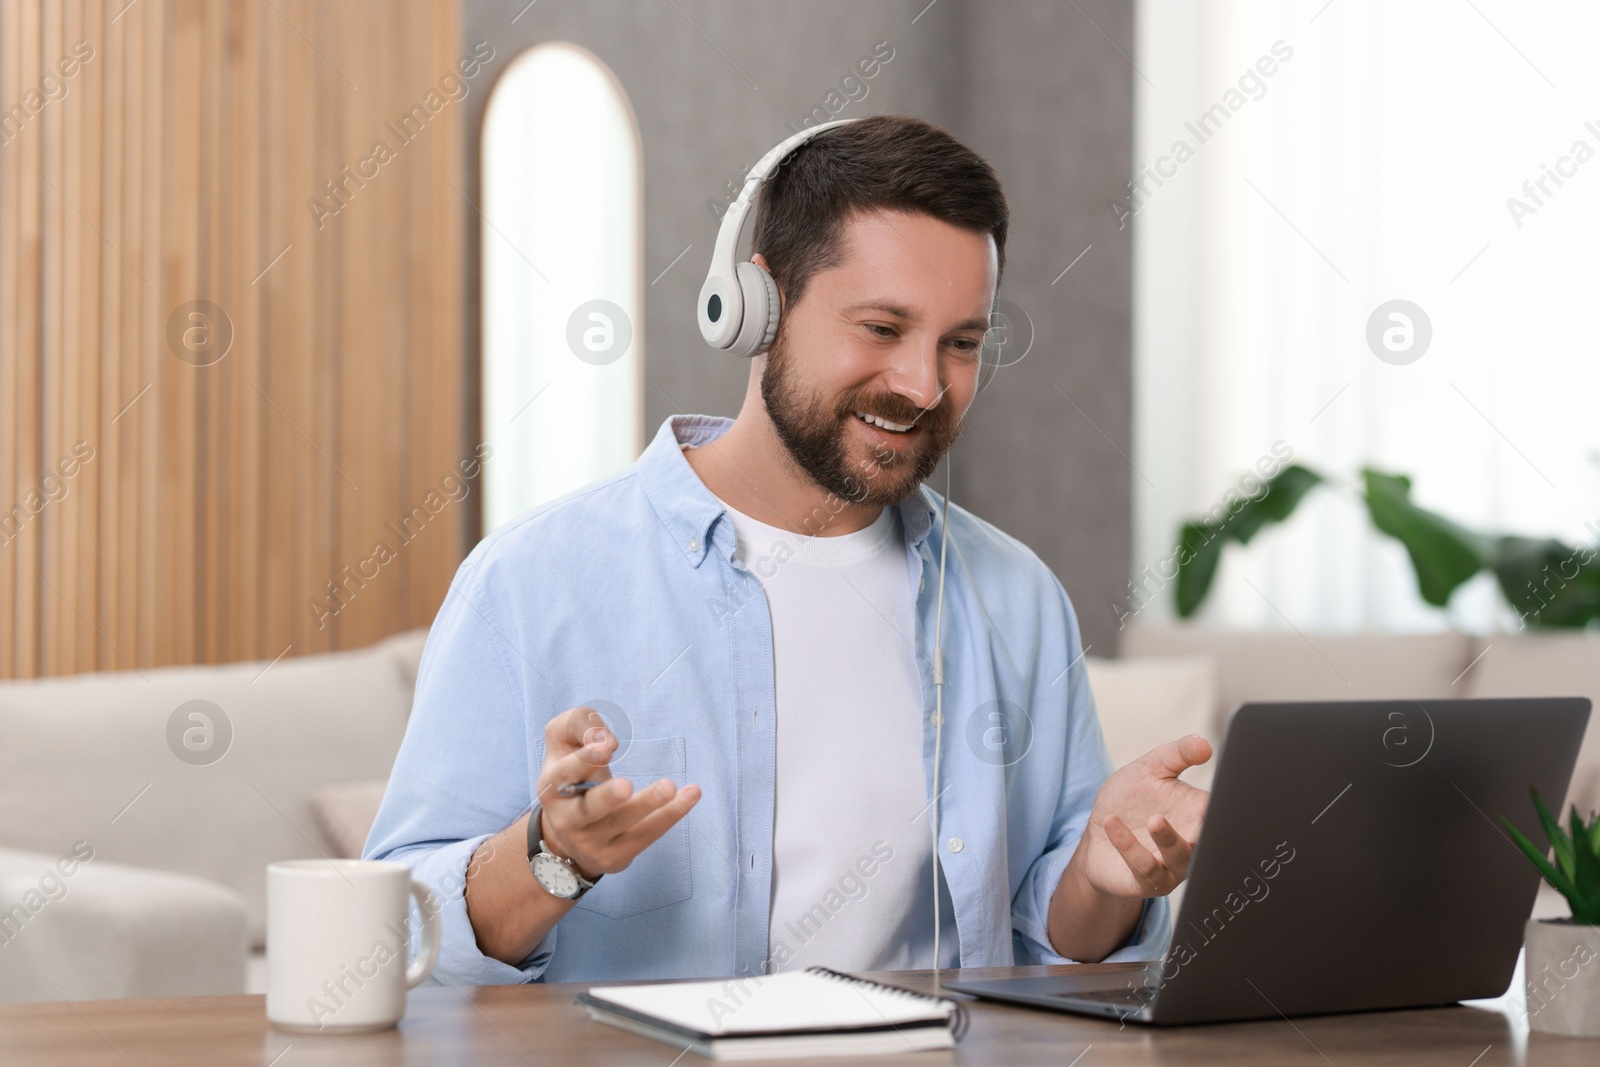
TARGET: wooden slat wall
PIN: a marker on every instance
(177, 164)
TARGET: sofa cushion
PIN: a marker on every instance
(202, 770)
(73, 925)
(1287, 665)
(345, 814)
(1549, 664)
(405, 649)
(1154, 699)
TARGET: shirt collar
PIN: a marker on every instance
(690, 510)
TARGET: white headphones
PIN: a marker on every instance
(739, 305)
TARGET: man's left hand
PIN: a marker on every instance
(1145, 821)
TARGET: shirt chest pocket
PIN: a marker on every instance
(659, 875)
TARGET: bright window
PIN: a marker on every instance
(562, 218)
(1302, 165)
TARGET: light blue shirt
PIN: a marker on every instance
(625, 596)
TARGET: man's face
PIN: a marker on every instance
(894, 331)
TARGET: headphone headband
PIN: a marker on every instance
(738, 308)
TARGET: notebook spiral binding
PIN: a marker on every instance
(958, 1019)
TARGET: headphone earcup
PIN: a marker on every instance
(759, 325)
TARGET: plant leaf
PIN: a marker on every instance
(1236, 518)
(1444, 553)
(1558, 837)
(1547, 582)
(1585, 864)
(1284, 492)
(1199, 553)
(1537, 857)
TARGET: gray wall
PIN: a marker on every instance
(1032, 85)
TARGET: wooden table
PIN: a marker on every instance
(540, 1024)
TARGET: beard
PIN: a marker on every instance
(817, 435)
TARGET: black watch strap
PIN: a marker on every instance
(536, 846)
(533, 830)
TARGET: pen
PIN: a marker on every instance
(572, 789)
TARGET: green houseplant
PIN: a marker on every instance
(1548, 583)
(1562, 969)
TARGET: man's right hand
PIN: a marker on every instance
(600, 831)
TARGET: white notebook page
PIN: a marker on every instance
(790, 1000)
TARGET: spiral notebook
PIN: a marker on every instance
(816, 1012)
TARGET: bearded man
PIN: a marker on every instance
(682, 722)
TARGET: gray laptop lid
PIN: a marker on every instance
(1352, 857)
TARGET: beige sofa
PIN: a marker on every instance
(1188, 678)
(136, 837)
(164, 895)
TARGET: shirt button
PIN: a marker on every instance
(956, 844)
(694, 544)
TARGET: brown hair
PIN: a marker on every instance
(882, 162)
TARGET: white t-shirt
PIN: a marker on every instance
(852, 883)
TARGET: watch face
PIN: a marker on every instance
(556, 877)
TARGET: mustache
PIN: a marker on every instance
(896, 408)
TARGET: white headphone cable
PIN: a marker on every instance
(938, 712)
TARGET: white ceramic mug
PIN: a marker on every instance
(337, 936)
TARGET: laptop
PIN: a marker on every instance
(1352, 859)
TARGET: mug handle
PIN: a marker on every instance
(428, 950)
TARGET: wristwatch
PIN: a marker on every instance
(557, 875)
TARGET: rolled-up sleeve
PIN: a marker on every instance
(1086, 764)
(461, 776)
